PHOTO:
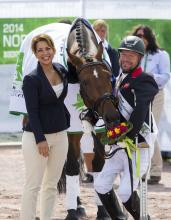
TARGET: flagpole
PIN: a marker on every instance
(82, 8)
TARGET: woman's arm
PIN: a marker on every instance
(30, 91)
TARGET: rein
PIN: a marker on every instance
(103, 99)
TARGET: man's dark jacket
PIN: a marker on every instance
(139, 90)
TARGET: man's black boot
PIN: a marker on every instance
(133, 206)
(72, 215)
(102, 213)
(112, 206)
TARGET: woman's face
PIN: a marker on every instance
(140, 34)
(44, 53)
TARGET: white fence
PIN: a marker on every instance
(86, 8)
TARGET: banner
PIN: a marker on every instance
(13, 32)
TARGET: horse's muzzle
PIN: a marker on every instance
(111, 119)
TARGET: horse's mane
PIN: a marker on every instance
(81, 36)
(82, 40)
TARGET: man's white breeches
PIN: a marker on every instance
(118, 164)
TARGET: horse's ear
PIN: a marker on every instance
(98, 56)
(76, 61)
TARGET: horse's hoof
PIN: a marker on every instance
(149, 217)
(72, 215)
(88, 178)
(81, 211)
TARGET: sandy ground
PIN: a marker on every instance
(12, 180)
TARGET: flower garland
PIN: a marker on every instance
(117, 133)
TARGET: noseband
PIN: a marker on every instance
(93, 63)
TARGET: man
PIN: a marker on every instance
(135, 90)
(101, 28)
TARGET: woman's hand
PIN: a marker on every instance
(43, 148)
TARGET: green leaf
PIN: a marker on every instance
(79, 103)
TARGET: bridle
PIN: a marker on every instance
(102, 99)
(92, 63)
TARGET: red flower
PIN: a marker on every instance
(117, 131)
(123, 128)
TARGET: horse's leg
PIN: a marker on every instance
(89, 156)
(72, 177)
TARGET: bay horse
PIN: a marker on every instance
(94, 76)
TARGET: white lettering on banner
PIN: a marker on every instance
(13, 40)
(13, 28)
(10, 54)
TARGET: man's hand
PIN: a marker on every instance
(43, 148)
(121, 144)
(87, 127)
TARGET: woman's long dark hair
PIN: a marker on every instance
(152, 46)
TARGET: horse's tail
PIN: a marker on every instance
(82, 168)
(61, 185)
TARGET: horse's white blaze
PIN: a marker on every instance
(95, 73)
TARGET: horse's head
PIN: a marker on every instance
(95, 86)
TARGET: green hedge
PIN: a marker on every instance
(120, 28)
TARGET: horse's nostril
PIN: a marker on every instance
(112, 121)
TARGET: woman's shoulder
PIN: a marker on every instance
(33, 73)
(59, 67)
(161, 53)
(32, 77)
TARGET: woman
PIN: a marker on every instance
(156, 62)
(44, 141)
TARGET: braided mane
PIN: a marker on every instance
(82, 40)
